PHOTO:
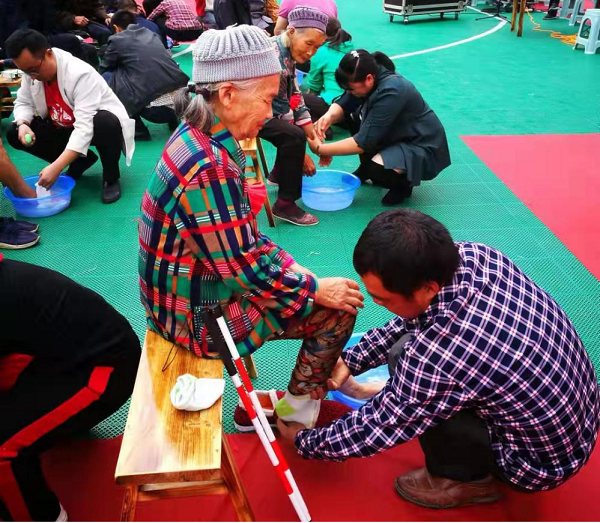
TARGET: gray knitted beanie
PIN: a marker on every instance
(235, 53)
(304, 16)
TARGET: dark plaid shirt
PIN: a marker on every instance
(491, 341)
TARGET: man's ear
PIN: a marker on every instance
(425, 294)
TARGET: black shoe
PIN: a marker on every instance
(19, 224)
(82, 164)
(142, 136)
(13, 237)
(552, 14)
(111, 192)
(396, 196)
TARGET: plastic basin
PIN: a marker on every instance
(378, 374)
(329, 190)
(58, 200)
(300, 76)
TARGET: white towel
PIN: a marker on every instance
(41, 192)
(191, 393)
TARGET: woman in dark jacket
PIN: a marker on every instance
(399, 139)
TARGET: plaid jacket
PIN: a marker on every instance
(199, 245)
(494, 342)
(180, 16)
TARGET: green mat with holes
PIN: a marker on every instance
(494, 85)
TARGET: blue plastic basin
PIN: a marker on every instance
(300, 76)
(329, 190)
(378, 374)
(58, 200)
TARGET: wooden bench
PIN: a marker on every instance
(7, 103)
(169, 453)
(253, 148)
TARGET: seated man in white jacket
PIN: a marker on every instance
(63, 107)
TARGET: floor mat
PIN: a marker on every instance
(556, 176)
(82, 475)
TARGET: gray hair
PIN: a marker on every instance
(198, 111)
(285, 37)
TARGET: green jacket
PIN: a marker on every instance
(321, 79)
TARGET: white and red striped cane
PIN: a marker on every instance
(219, 332)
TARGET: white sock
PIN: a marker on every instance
(63, 514)
(299, 409)
(191, 393)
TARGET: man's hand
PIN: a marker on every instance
(339, 376)
(80, 20)
(289, 430)
(308, 168)
(107, 20)
(25, 130)
(48, 176)
(340, 293)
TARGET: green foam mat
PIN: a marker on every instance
(488, 86)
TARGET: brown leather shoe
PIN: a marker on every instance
(426, 490)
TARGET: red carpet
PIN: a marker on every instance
(82, 474)
(557, 177)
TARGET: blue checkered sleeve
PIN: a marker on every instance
(374, 347)
(417, 398)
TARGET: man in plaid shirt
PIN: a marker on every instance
(486, 370)
(176, 19)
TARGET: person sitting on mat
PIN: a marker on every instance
(399, 139)
(291, 124)
(133, 7)
(486, 370)
(130, 54)
(83, 15)
(176, 19)
(15, 234)
(68, 360)
(63, 106)
(199, 238)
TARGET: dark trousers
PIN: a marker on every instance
(290, 141)
(99, 32)
(458, 448)
(162, 114)
(51, 141)
(178, 36)
(316, 105)
(51, 393)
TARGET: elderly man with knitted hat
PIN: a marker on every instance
(291, 123)
(199, 239)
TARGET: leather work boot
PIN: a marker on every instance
(423, 489)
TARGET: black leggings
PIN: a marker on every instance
(73, 367)
(51, 141)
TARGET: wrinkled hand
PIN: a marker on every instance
(24, 130)
(341, 294)
(308, 168)
(288, 430)
(339, 376)
(313, 144)
(322, 125)
(80, 20)
(325, 161)
(299, 269)
(48, 176)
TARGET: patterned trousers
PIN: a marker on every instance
(325, 333)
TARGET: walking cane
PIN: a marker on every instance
(219, 332)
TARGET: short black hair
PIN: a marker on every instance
(36, 43)
(122, 19)
(405, 249)
(127, 4)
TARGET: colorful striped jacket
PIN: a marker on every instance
(200, 245)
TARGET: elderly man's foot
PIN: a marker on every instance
(111, 192)
(423, 489)
(361, 391)
(290, 212)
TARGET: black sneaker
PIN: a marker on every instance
(82, 164)
(142, 136)
(552, 14)
(396, 196)
(20, 224)
(111, 192)
(11, 237)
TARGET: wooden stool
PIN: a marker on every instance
(518, 7)
(169, 453)
(252, 147)
(7, 103)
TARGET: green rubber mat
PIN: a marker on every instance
(498, 84)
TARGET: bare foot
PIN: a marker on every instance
(361, 391)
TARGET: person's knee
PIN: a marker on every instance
(296, 137)
(106, 122)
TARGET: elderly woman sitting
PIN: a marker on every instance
(199, 240)
(291, 123)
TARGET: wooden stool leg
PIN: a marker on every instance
(521, 17)
(129, 503)
(251, 366)
(513, 19)
(261, 178)
(231, 477)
